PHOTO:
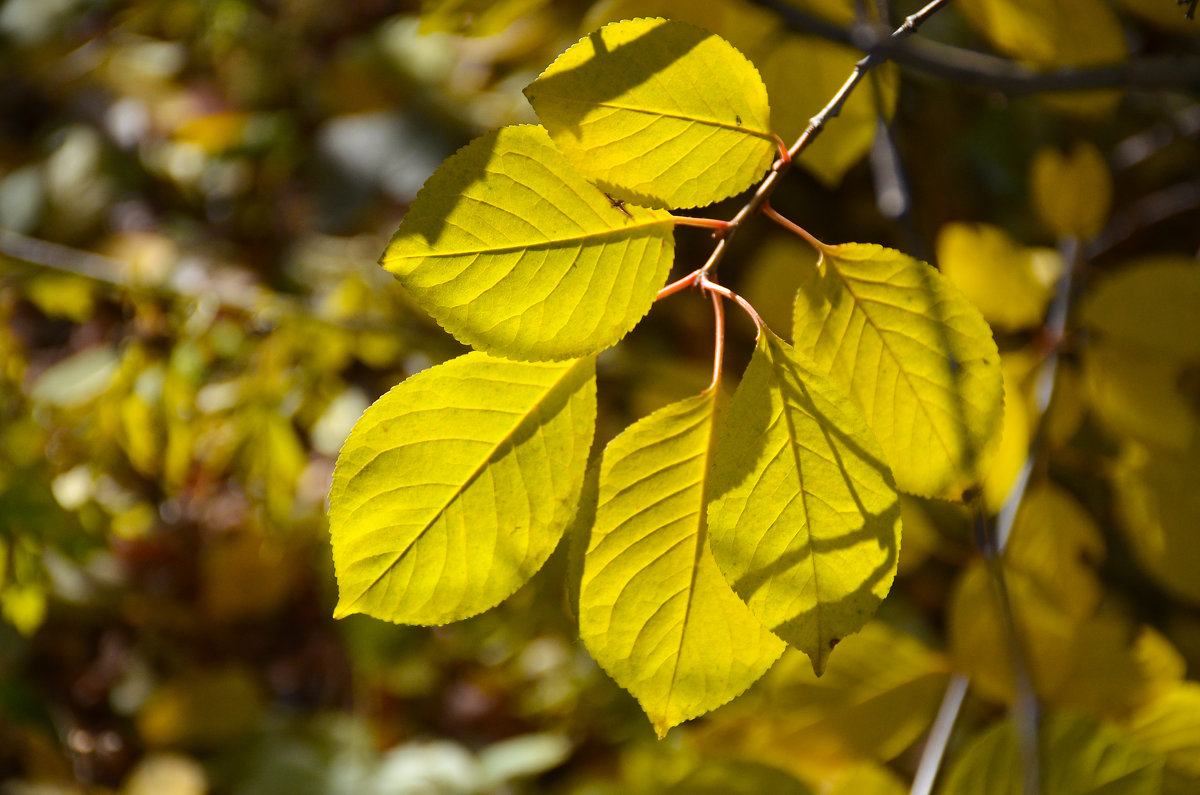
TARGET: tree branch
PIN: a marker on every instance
(991, 72)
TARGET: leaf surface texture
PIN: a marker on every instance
(515, 253)
(805, 519)
(654, 609)
(456, 485)
(658, 112)
(916, 356)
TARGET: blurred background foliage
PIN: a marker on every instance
(193, 194)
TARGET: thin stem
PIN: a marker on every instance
(719, 343)
(677, 285)
(763, 193)
(873, 58)
(783, 148)
(793, 227)
(713, 287)
(939, 734)
(706, 223)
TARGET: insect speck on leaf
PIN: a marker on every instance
(619, 204)
(738, 119)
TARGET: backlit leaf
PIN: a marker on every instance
(917, 358)
(658, 112)
(1072, 192)
(654, 610)
(515, 253)
(1078, 757)
(805, 520)
(456, 485)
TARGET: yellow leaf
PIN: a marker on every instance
(1010, 283)
(1159, 507)
(1170, 725)
(878, 695)
(658, 112)
(914, 354)
(804, 516)
(1062, 33)
(1144, 341)
(1015, 435)
(654, 610)
(1072, 192)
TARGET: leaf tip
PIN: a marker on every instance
(341, 610)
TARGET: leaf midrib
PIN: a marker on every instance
(701, 539)
(812, 552)
(470, 479)
(565, 242)
(859, 302)
(753, 132)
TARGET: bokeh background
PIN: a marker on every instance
(193, 197)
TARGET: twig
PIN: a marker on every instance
(981, 70)
(1147, 211)
(763, 194)
(993, 544)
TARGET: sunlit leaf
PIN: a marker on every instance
(456, 485)
(917, 358)
(654, 609)
(1013, 449)
(1009, 283)
(805, 520)
(1077, 756)
(515, 253)
(658, 112)
(1072, 192)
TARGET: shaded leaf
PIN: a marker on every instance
(878, 695)
(737, 777)
(1159, 508)
(515, 253)
(1009, 283)
(805, 519)
(1077, 756)
(1170, 725)
(1072, 192)
(654, 610)
(658, 112)
(456, 485)
(917, 358)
